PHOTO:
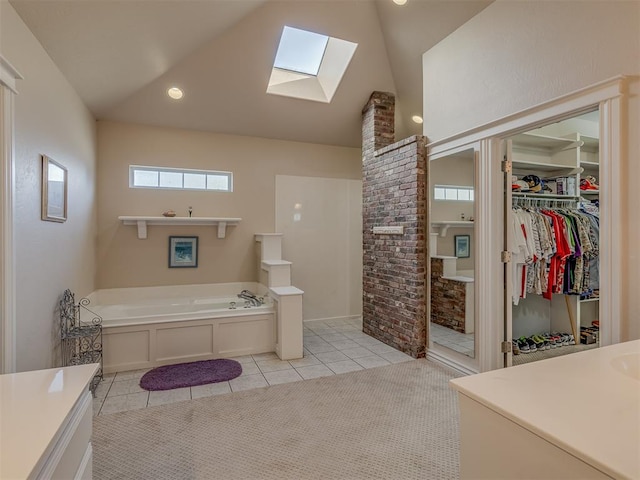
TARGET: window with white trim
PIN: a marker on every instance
(179, 179)
(453, 192)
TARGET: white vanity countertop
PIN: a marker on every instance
(587, 403)
(33, 408)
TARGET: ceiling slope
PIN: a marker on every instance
(122, 55)
(107, 49)
(225, 81)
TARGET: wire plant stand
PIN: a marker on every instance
(81, 339)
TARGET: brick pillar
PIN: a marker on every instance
(378, 123)
(394, 268)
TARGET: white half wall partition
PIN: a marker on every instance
(321, 219)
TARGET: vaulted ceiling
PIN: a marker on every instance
(122, 55)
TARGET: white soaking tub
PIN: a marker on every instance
(151, 326)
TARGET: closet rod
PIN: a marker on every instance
(530, 201)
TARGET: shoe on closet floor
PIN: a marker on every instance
(515, 348)
(546, 345)
(564, 338)
(549, 339)
(539, 341)
(523, 345)
(532, 345)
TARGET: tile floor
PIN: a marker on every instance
(330, 347)
(460, 342)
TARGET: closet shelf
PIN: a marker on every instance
(444, 226)
(590, 144)
(543, 166)
(142, 223)
(588, 164)
(589, 192)
(544, 142)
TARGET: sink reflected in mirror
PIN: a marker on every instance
(628, 365)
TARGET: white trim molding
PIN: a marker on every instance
(8, 77)
(612, 161)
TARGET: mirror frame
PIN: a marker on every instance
(53, 210)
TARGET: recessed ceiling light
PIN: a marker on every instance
(416, 118)
(399, 2)
(175, 93)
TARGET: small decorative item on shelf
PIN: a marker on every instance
(169, 213)
(190, 211)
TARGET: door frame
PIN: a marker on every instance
(8, 77)
(610, 98)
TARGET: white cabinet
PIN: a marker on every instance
(570, 417)
(47, 423)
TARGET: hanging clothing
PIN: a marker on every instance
(553, 250)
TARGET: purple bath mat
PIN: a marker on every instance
(190, 374)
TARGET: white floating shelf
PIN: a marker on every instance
(444, 226)
(142, 222)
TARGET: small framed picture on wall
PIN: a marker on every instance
(462, 246)
(183, 252)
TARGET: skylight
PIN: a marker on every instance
(309, 65)
(300, 51)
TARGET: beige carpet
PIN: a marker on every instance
(393, 422)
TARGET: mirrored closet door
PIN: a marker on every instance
(452, 249)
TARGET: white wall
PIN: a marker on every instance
(514, 55)
(126, 261)
(50, 119)
(321, 219)
(451, 171)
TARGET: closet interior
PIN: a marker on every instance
(553, 238)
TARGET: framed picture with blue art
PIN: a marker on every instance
(462, 246)
(183, 252)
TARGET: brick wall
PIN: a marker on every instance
(448, 299)
(394, 268)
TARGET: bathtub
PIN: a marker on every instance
(152, 326)
(175, 309)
